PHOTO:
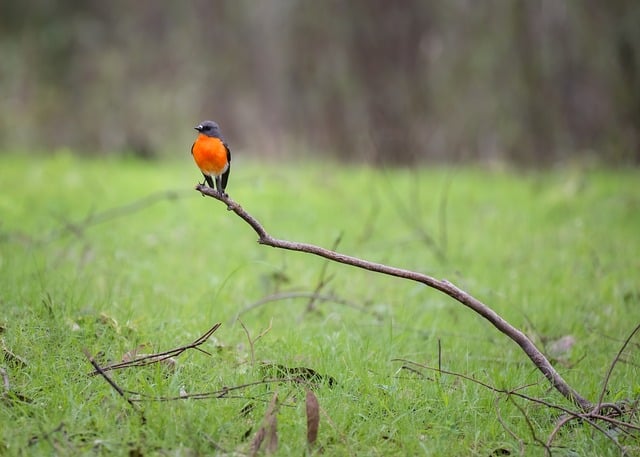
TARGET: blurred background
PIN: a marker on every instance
(532, 82)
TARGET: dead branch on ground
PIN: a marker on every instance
(609, 413)
(442, 285)
(115, 386)
(160, 356)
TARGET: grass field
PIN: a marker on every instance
(112, 255)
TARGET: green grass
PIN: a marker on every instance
(556, 253)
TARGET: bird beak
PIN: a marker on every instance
(198, 128)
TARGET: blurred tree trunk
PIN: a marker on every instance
(627, 45)
(538, 136)
(385, 54)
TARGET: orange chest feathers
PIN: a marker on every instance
(210, 154)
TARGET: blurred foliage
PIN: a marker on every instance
(536, 82)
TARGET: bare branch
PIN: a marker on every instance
(532, 429)
(252, 342)
(160, 356)
(591, 417)
(115, 386)
(444, 286)
(496, 403)
(224, 392)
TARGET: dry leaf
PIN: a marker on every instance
(313, 417)
(269, 429)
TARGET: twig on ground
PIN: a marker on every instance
(591, 417)
(159, 357)
(532, 430)
(115, 386)
(253, 341)
(521, 442)
(444, 286)
(292, 295)
(225, 392)
(589, 420)
(486, 385)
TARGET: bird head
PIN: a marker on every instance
(209, 128)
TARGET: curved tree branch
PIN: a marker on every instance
(444, 286)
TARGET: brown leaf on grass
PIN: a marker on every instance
(313, 417)
(271, 419)
(269, 429)
(257, 441)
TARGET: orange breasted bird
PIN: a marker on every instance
(212, 155)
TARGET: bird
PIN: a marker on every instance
(212, 155)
